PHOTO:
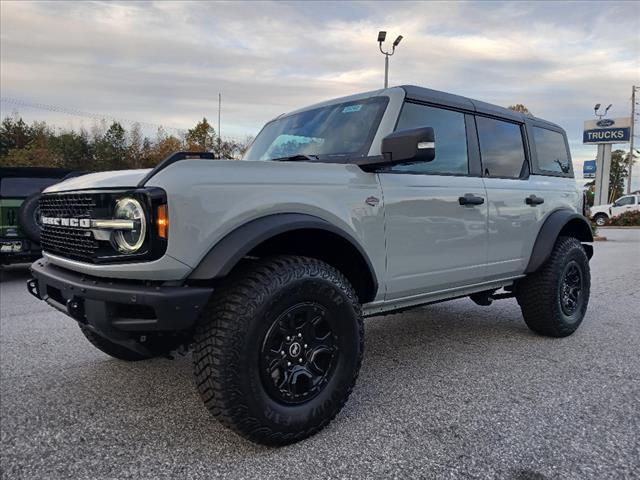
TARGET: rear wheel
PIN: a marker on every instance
(554, 299)
(278, 350)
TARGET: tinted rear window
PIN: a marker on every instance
(23, 187)
(501, 148)
(551, 150)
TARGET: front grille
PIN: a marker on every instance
(70, 242)
(67, 205)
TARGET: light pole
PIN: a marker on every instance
(603, 165)
(381, 38)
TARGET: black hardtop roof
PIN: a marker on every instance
(34, 172)
(428, 95)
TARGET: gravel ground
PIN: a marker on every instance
(452, 390)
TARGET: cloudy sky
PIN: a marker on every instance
(164, 63)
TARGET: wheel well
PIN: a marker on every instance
(328, 247)
(578, 229)
(559, 223)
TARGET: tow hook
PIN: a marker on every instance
(32, 286)
(75, 307)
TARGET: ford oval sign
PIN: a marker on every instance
(606, 130)
(605, 122)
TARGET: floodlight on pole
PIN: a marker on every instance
(382, 35)
(597, 107)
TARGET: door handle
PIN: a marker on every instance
(533, 200)
(470, 200)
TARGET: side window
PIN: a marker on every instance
(551, 151)
(626, 201)
(501, 148)
(450, 134)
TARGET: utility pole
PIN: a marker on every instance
(219, 110)
(633, 121)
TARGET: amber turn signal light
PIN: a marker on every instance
(162, 221)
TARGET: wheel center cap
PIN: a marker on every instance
(295, 349)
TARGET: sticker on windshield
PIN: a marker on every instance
(351, 108)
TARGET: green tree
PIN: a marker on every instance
(134, 149)
(201, 138)
(73, 149)
(14, 133)
(31, 146)
(620, 161)
(111, 148)
(519, 107)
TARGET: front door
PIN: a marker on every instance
(435, 240)
(624, 204)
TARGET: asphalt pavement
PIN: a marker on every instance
(452, 390)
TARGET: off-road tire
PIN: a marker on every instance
(27, 217)
(235, 325)
(600, 219)
(540, 293)
(110, 348)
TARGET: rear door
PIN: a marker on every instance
(513, 222)
(433, 242)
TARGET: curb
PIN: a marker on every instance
(626, 227)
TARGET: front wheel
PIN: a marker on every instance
(600, 219)
(554, 299)
(279, 348)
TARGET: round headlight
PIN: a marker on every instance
(130, 241)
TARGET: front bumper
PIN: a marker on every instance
(117, 307)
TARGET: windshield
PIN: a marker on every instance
(334, 131)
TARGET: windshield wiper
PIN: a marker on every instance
(295, 158)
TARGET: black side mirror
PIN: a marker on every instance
(415, 145)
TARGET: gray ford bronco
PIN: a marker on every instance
(354, 207)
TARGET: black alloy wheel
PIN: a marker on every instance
(299, 354)
(571, 288)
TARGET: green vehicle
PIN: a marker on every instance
(20, 189)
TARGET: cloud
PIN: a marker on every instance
(165, 62)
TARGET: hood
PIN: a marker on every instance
(116, 178)
(601, 208)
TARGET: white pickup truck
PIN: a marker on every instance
(601, 214)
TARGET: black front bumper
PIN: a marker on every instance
(115, 307)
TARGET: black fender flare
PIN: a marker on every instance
(226, 253)
(559, 222)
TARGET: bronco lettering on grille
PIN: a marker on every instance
(66, 222)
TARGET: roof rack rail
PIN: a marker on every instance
(173, 158)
